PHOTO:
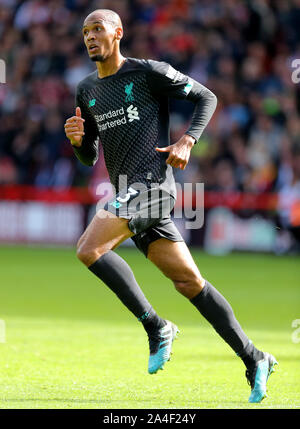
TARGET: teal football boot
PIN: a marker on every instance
(258, 375)
(160, 345)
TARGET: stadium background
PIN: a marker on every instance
(248, 158)
(241, 50)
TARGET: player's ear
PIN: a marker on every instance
(119, 33)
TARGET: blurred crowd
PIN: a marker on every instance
(242, 50)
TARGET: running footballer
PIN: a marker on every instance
(123, 106)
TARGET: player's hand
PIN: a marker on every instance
(179, 153)
(74, 128)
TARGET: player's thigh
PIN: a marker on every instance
(106, 231)
(174, 259)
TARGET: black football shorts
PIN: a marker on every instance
(148, 211)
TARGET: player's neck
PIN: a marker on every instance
(110, 66)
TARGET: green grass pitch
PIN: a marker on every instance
(71, 344)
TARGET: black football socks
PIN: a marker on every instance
(218, 312)
(118, 276)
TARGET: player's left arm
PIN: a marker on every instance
(170, 82)
(179, 152)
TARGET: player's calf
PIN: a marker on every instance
(94, 249)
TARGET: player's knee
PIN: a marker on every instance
(189, 286)
(87, 255)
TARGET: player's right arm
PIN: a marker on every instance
(82, 132)
(74, 128)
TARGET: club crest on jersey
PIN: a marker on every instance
(92, 102)
(128, 89)
(133, 113)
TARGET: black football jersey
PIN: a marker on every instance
(128, 114)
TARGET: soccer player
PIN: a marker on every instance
(124, 106)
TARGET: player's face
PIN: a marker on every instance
(99, 37)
